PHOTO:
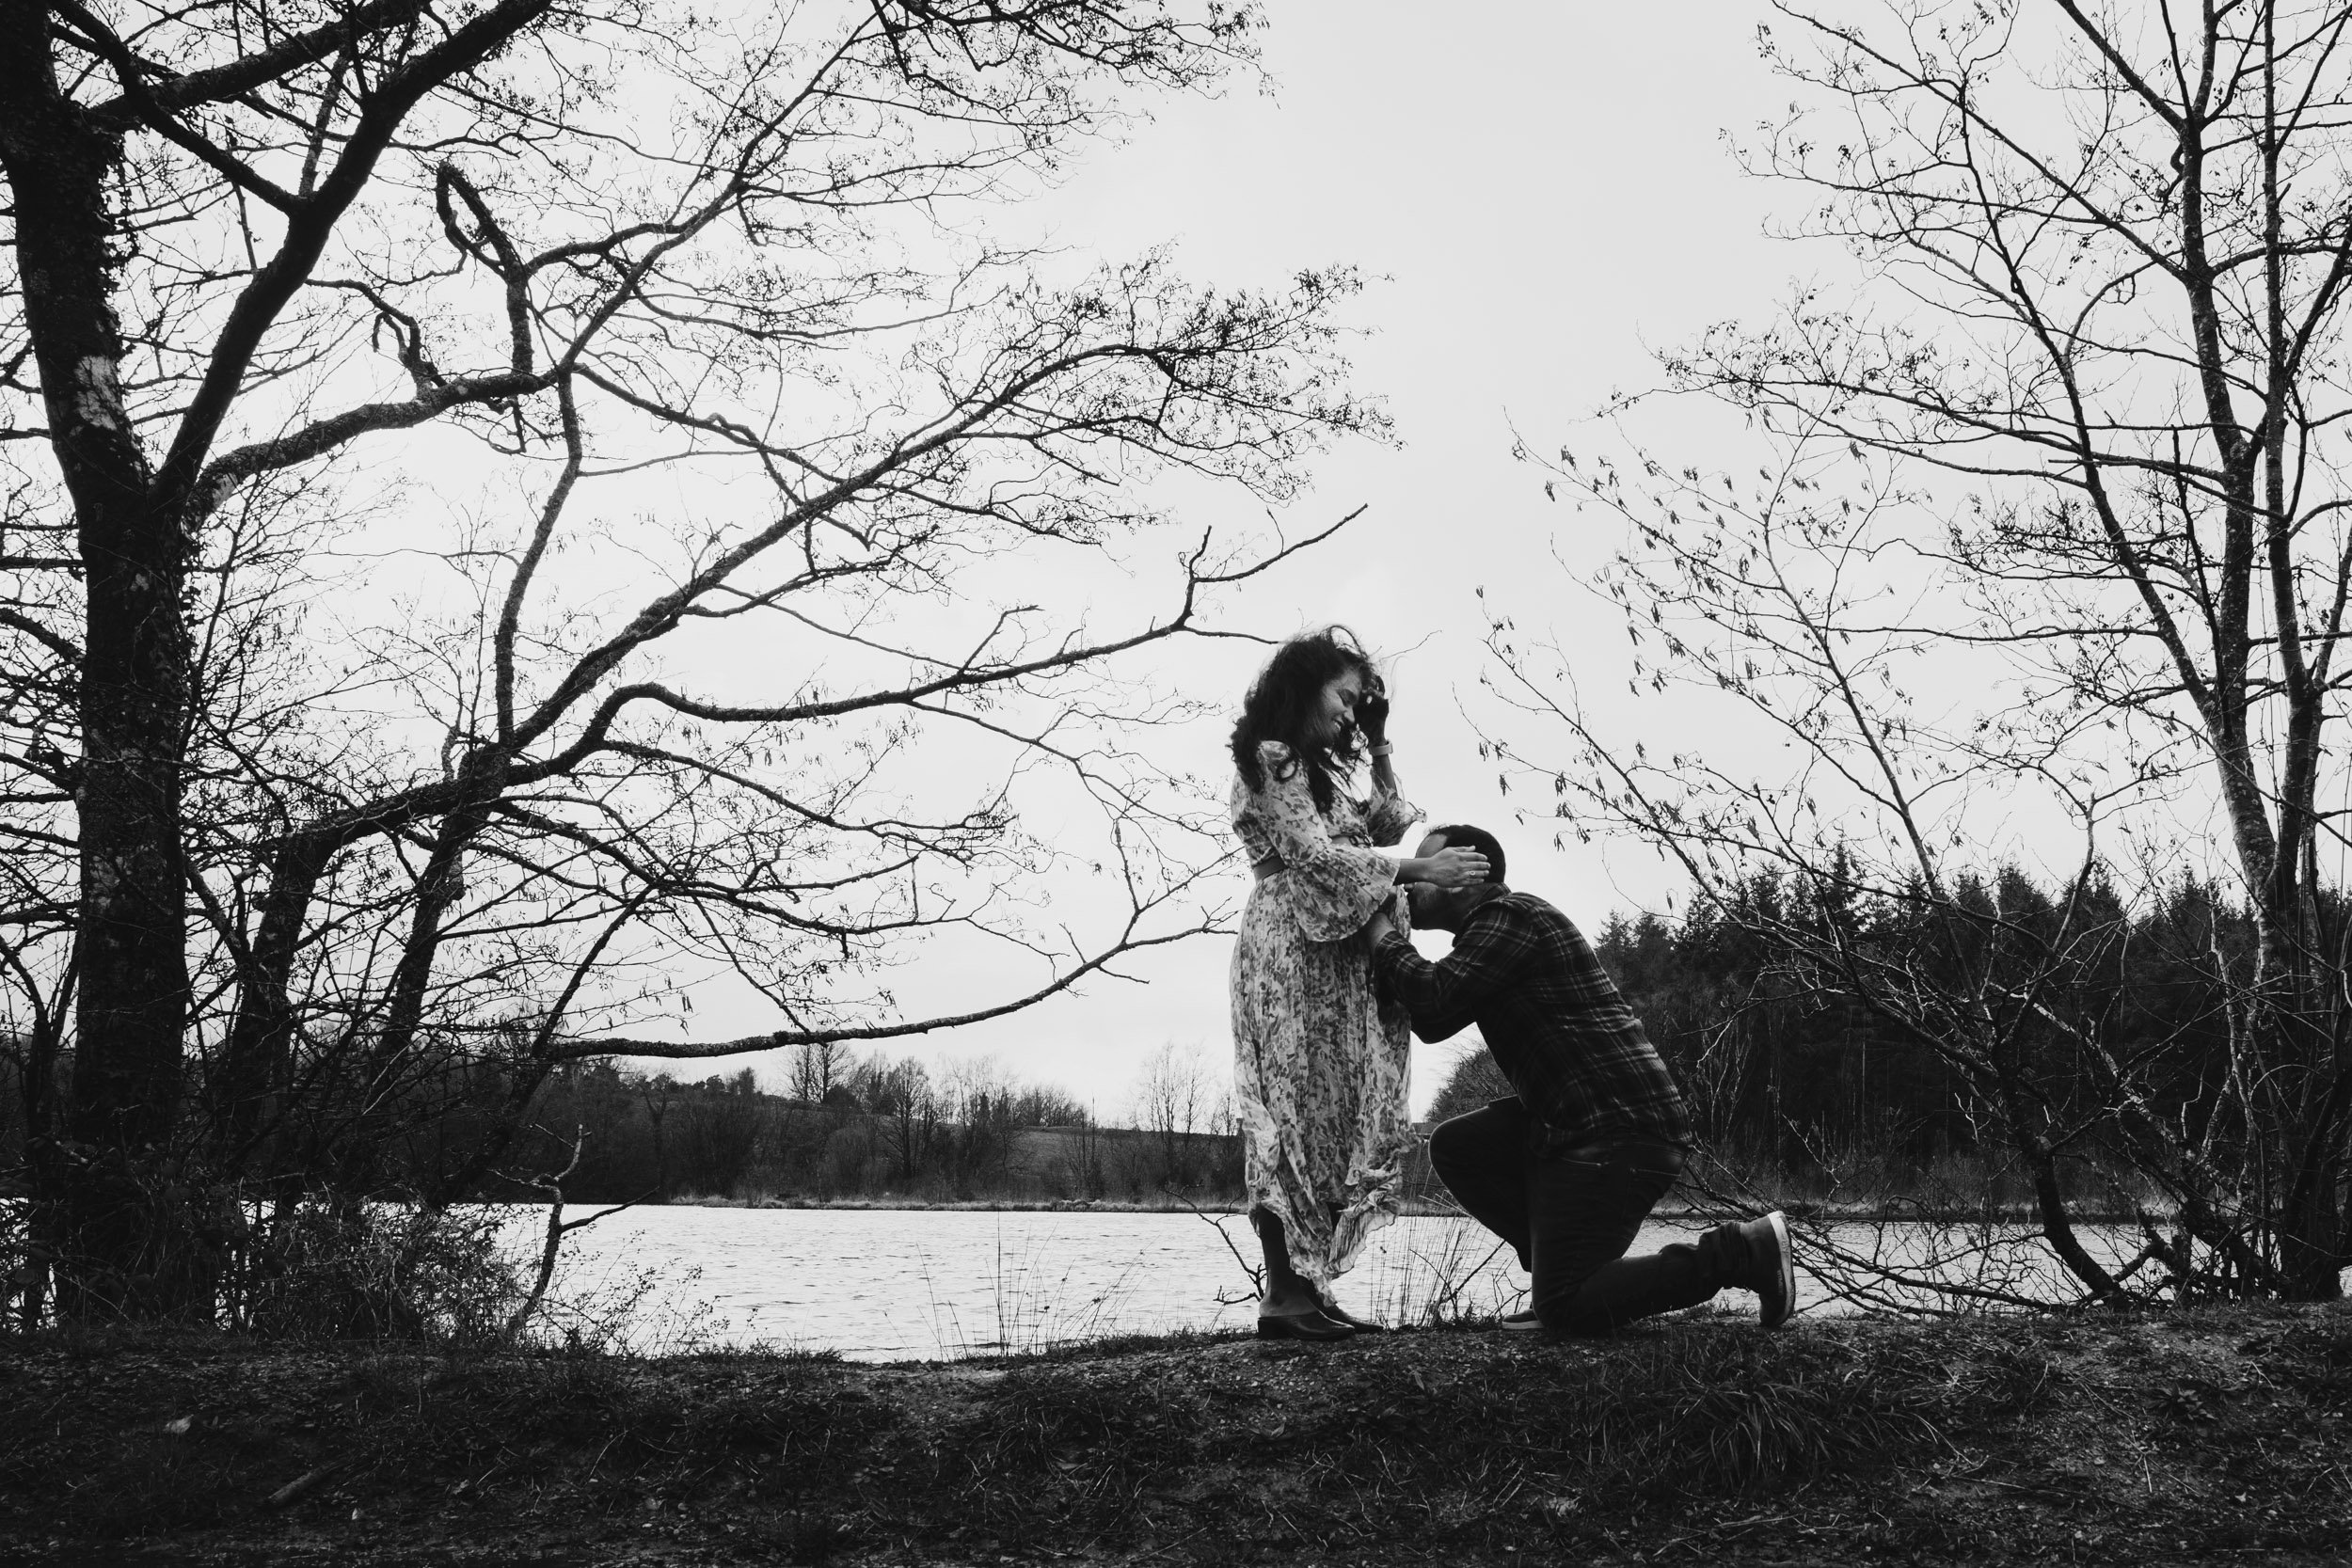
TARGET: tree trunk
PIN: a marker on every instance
(256, 1061)
(133, 983)
(2299, 1114)
(134, 990)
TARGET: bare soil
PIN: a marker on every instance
(2194, 1437)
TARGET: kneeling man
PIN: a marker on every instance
(1568, 1169)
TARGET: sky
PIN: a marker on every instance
(1541, 197)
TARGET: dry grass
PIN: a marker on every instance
(2154, 1439)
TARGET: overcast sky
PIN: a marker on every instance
(1541, 195)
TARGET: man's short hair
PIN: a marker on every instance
(1461, 836)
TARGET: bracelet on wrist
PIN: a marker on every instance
(1382, 749)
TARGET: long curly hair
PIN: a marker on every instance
(1282, 706)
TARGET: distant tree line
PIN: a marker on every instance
(1786, 1073)
(841, 1125)
(846, 1125)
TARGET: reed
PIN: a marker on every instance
(1453, 1272)
(1033, 1307)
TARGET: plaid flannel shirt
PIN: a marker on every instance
(1523, 973)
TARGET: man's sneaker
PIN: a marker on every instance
(1523, 1323)
(1772, 1272)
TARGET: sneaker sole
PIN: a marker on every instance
(1788, 1303)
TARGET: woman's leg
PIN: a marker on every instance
(1284, 1292)
(1364, 1067)
(1299, 1010)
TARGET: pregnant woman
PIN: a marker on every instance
(1319, 1061)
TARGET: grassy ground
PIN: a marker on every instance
(2189, 1437)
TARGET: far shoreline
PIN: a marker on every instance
(1828, 1213)
(1798, 1209)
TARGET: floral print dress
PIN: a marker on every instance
(1319, 1060)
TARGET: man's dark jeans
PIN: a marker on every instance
(1571, 1220)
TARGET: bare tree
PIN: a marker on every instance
(906, 1104)
(2106, 262)
(817, 1067)
(543, 258)
(1175, 1099)
(1794, 601)
(2106, 255)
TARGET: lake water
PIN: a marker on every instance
(920, 1284)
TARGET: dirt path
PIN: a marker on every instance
(2181, 1438)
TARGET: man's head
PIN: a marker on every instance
(1445, 910)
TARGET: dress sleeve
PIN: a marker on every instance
(1388, 815)
(1329, 889)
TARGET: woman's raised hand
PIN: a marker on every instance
(1372, 711)
(1453, 866)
